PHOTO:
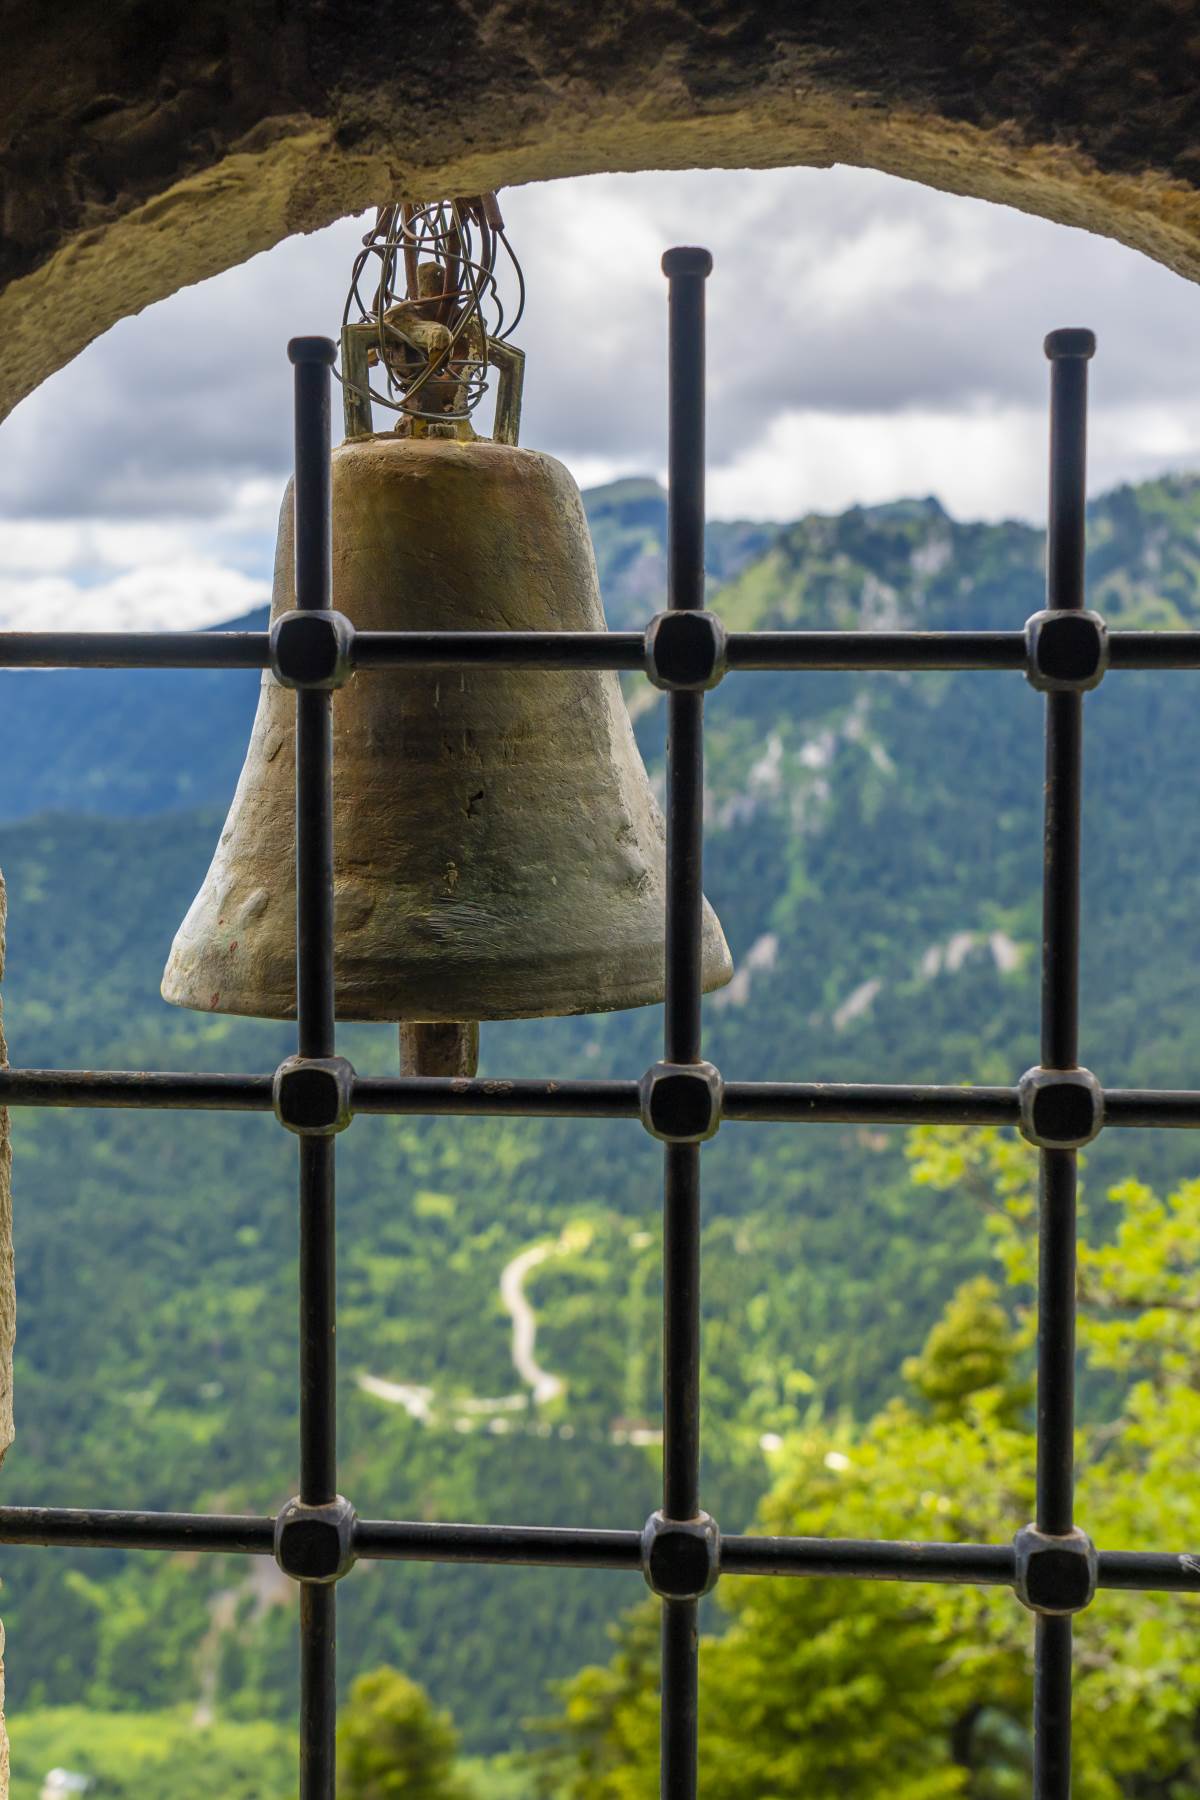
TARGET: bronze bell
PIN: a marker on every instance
(498, 853)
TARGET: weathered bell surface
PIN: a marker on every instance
(497, 849)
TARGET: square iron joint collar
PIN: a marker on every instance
(685, 649)
(1061, 1109)
(315, 1543)
(681, 1558)
(1066, 651)
(1054, 1574)
(681, 1102)
(312, 649)
(314, 1096)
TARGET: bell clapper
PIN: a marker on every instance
(440, 1049)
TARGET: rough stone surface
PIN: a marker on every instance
(498, 852)
(149, 145)
(8, 1308)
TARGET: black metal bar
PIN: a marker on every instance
(87, 1528)
(83, 1088)
(744, 1102)
(499, 649)
(494, 1097)
(1052, 1708)
(533, 1545)
(314, 728)
(1056, 1343)
(1069, 353)
(134, 650)
(862, 1559)
(546, 1546)
(679, 1778)
(318, 1690)
(1162, 1109)
(686, 271)
(865, 1103)
(1154, 650)
(685, 900)
(681, 1332)
(1065, 550)
(875, 650)
(553, 650)
(318, 1365)
(314, 873)
(1150, 1571)
(313, 358)
(1060, 916)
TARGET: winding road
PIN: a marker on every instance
(524, 1323)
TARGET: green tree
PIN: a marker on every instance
(818, 1686)
(392, 1744)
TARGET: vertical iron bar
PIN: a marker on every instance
(312, 359)
(314, 719)
(681, 1332)
(1052, 1708)
(686, 271)
(318, 1690)
(1060, 897)
(318, 1365)
(680, 1699)
(1068, 352)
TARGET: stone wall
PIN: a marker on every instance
(7, 1321)
(150, 145)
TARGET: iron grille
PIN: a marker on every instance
(316, 1538)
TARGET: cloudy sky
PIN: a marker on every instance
(867, 339)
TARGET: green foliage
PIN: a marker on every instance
(391, 1742)
(152, 1756)
(816, 1685)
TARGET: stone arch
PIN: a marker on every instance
(153, 144)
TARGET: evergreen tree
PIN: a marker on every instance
(392, 1743)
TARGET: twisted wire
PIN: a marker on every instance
(428, 265)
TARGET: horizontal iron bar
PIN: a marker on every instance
(496, 1098)
(748, 1102)
(1150, 1571)
(541, 1545)
(544, 1546)
(1154, 649)
(134, 650)
(865, 1559)
(499, 649)
(1161, 1109)
(130, 1088)
(875, 650)
(85, 1528)
(622, 650)
(868, 1103)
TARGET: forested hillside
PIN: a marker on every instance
(874, 853)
